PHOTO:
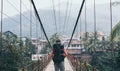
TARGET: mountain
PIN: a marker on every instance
(47, 18)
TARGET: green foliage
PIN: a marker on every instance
(53, 38)
(46, 48)
(115, 34)
(105, 60)
(13, 52)
(118, 56)
(9, 54)
(84, 67)
(30, 48)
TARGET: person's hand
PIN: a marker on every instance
(64, 55)
(51, 54)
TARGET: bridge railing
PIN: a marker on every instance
(78, 65)
(74, 61)
(37, 65)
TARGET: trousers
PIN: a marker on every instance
(59, 66)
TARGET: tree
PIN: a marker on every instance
(115, 34)
(10, 58)
(53, 38)
(118, 56)
(30, 48)
(46, 48)
(13, 53)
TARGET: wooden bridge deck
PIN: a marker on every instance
(68, 67)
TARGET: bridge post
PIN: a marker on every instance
(33, 66)
(80, 65)
(76, 63)
(43, 63)
(85, 66)
(23, 69)
(93, 69)
(38, 65)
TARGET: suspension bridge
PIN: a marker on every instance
(16, 51)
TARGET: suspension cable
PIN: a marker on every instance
(86, 34)
(94, 51)
(37, 34)
(12, 5)
(85, 29)
(66, 13)
(20, 23)
(76, 22)
(59, 16)
(81, 33)
(94, 25)
(1, 21)
(111, 24)
(80, 28)
(69, 13)
(37, 15)
(85, 22)
(10, 18)
(26, 8)
(30, 20)
(54, 15)
(18, 11)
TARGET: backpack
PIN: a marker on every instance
(57, 50)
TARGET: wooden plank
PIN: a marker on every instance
(68, 67)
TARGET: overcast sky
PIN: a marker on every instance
(12, 7)
(41, 4)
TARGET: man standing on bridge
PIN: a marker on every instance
(58, 54)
